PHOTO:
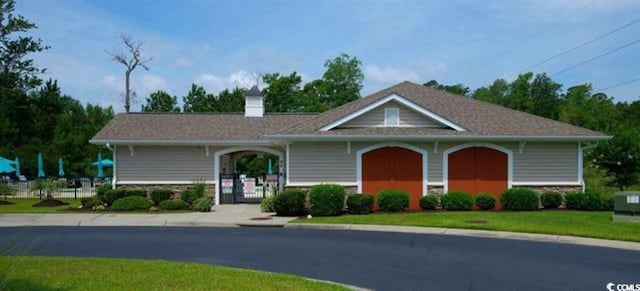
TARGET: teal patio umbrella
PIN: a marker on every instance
(6, 167)
(105, 163)
(100, 171)
(269, 168)
(60, 168)
(40, 166)
(17, 166)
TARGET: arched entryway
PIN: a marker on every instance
(226, 169)
(478, 168)
(393, 166)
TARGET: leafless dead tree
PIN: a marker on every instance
(131, 59)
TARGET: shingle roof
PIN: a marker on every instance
(477, 117)
(195, 126)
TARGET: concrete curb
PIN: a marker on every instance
(564, 239)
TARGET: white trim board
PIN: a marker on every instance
(445, 160)
(156, 182)
(309, 184)
(220, 153)
(402, 100)
(425, 164)
(560, 183)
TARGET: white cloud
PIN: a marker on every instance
(112, 83)
(215, 84)
(150, 83)
(183, 62)
(388, 75)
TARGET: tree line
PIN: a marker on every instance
(35, 116)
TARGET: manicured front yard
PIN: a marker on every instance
(25, 206)
(562, 222)
(54, 273)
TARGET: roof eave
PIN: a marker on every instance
(550, 138)
(178, 142)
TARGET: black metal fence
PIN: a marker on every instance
(75, 188)
(239, 188)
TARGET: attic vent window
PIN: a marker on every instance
(391, 117)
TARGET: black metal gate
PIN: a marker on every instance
(239, 188)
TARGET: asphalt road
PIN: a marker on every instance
(376, 260)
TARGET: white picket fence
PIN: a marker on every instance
(22, 190)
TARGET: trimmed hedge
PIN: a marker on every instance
(326, 200)
(457, 200)
(360, 203)
(102, 189)
(590, 200)
(485, 201)
(191, 195)
(111, 196)
(160, 194)
(175, 204)
(266, 205)
(290, 202)
(393, 200)
(520, 199)
(203, 204)
(430, 202)
(90, 202)
(551, 200)
(135, 192)
(131, 203)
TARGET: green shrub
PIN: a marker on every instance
(175, 204)
(457, 200)
(393, 200)
(590, 200)
(131, 203)
(290, 202)
(199, 187)
(160, 194)
(135, 192)
(360, 203)
(90, 202)
(111, 196)
(267, 204)
(520, 199)
(485, 201)
(607, 202)
(102, 189)
(326, 200)
(202, 204)
(191, 195)
(430, 202)
(551, 200)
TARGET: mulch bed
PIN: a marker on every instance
(4, 202)
(50, 203)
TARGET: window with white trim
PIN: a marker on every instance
(391, 117)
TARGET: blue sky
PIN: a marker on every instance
(222, 44)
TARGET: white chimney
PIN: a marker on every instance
(253, 103)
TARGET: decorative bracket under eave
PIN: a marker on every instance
(130, 149)
(206, 150)
(435, 147)
(349, 147)
(521, 146)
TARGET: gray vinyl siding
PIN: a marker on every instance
(375, 118)
(315, 162)
(164, 163)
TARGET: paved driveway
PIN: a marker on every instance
(377, 260)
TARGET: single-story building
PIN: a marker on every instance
(410, 137)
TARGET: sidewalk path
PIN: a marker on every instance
(223, 215)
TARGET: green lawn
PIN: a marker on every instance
(561, 222)
(55, 273)
(25, 206)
